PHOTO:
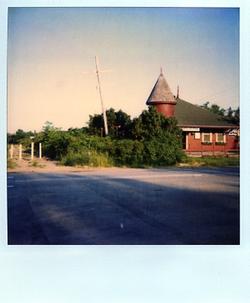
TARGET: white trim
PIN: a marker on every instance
(187, 141)
(191, 129)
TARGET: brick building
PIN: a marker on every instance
(203, 132)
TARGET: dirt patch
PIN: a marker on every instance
(42, 165)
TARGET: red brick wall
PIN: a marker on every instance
(196, 145)
(166, 109)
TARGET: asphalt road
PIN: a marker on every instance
(125, 206)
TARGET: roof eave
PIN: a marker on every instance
(160, 102)
(208, 126)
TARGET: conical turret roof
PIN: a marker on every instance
(161, 92)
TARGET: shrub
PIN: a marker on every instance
(88, 158)
(73, 159)
(151, 139)
(162, 152)
(99, 160)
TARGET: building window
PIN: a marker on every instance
(220, 138)
(197, 135)
(206, 137)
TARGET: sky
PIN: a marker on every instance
(39, 60)
(51, 62)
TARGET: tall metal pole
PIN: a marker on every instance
(100, 92)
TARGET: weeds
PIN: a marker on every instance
(34, 163)
(86, 158)
(211, 161)
(11, 163)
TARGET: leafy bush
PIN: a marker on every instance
(99, 160)
(127, 152)
(162, 152)
(151, 139)
(88, 158)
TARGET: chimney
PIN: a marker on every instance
(177, 96)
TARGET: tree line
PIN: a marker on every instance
(229, 114)
(147, 140)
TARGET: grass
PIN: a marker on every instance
(36, 164)
(210, 161)
(11, 163)
(86, 158)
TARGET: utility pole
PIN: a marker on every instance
(100, 93)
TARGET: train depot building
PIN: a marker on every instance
(204, 133)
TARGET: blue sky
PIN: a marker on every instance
(51, 60)
(124, 274)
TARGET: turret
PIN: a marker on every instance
(162, 98)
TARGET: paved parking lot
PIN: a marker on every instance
(125, 206)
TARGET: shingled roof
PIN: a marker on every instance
(161, 92)
(191, 115)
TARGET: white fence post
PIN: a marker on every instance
(20, 151)
(32, 150)
(11, 151)
(40, 150)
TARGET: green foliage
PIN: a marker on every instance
(212, 161)
(119, 124)
(151, 124)
(11, 163)
(161, 153)
(55, 141)
(232, 116)
(86, 158)
(151, 139)
(160, 136)
(56, 144)
(20, 136)
(127, 152)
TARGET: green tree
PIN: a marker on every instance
(119, 124)
(231, 115)
(160, 136)
(151, 124)
(20, 136)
